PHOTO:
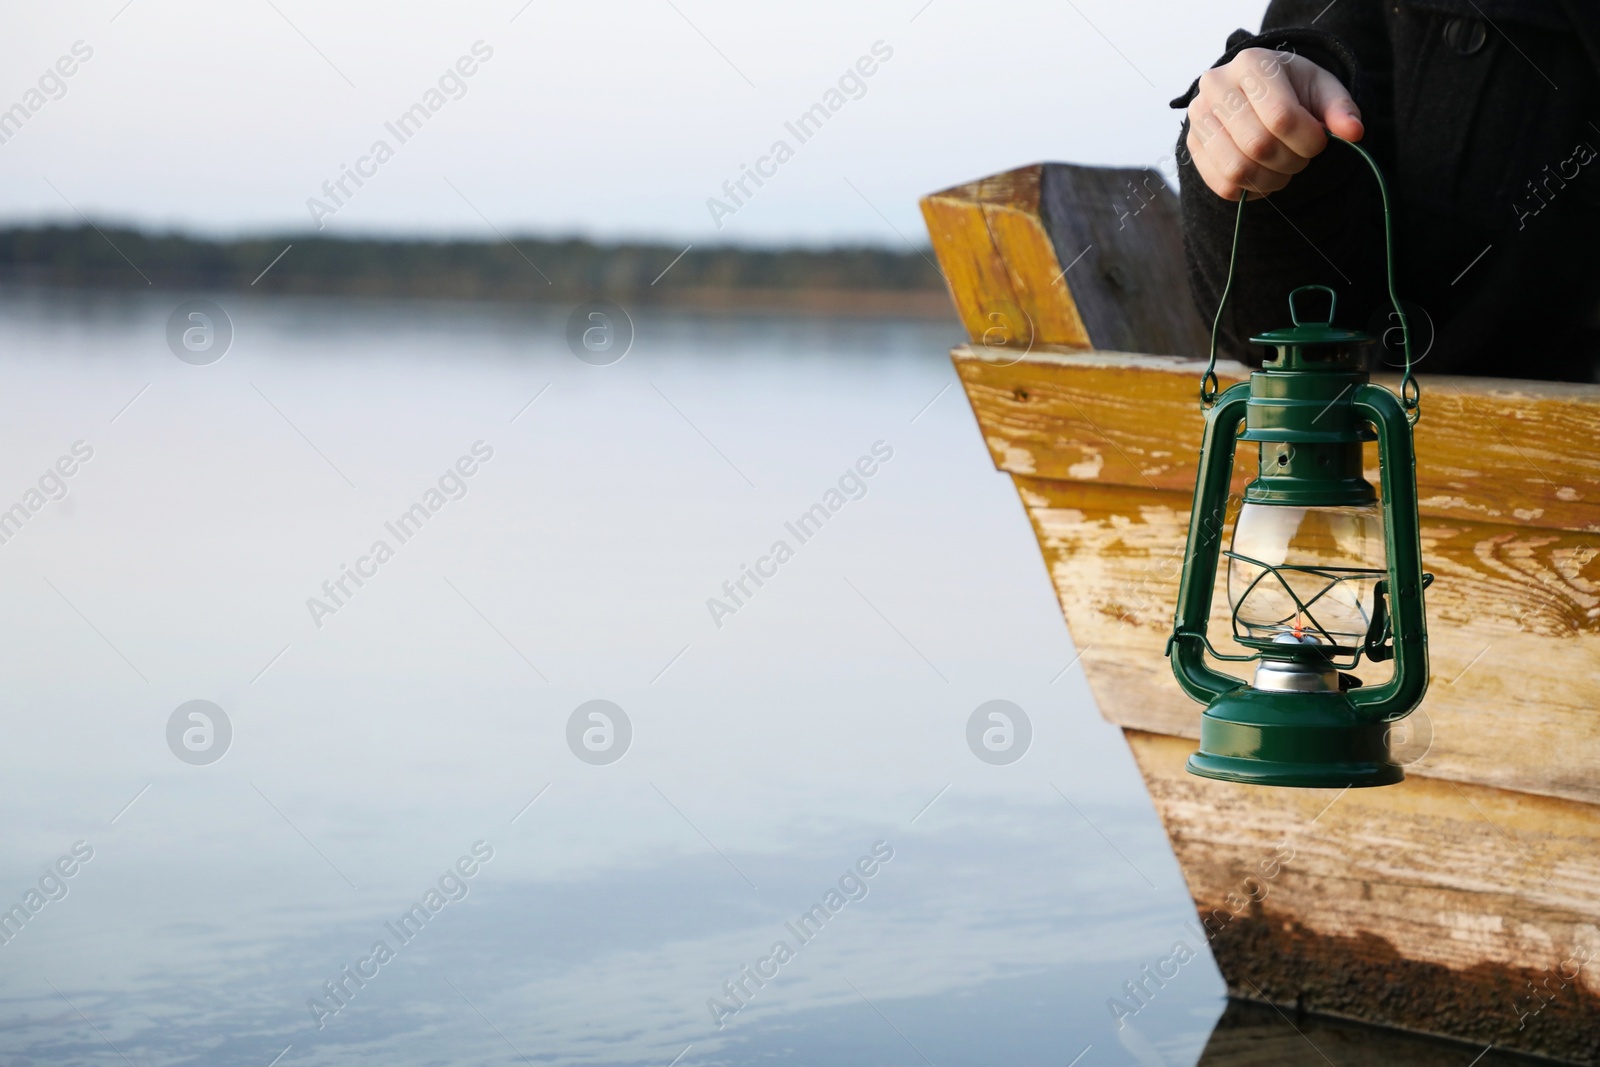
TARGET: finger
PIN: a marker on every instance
(1260, 144)
(1325, 97)
(1277, 104)
(1208, 173)
(1203, 127)
(1228, 171)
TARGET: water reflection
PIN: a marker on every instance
(984, 928)
(1257, 1035)
(399, 772)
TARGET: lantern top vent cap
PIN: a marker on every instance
(1306, 332)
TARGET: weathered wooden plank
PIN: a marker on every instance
(1429, 905)
(1053, 254)
(1121, 231)
(1010, 205)
(1520, 453)
(1513, 625)
(976, 273)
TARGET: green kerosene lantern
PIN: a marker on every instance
(1320, 573)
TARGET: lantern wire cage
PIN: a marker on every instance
(1374, 644)
(1303, 619)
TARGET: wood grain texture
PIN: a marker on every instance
(1121, 231)
(1513, 625)
(1010, 207)
(1054, 254)
(999, 263)
(1430, 905)
(976, 274)
(1518, 453)
(1103, 448)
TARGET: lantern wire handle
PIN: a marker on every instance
(1209, 386)
(1410, 390)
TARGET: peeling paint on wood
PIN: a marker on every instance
(1519, 453)
(1431, 906)
(1513, 632)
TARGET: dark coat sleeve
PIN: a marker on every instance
(1324, 228)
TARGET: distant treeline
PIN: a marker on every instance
(522, 269)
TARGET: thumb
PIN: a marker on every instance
(1326, 97)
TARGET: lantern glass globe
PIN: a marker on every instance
(1309, 572)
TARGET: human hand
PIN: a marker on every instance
(1259, 119)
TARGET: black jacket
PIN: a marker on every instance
(1485, 117)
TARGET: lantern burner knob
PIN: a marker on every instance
(1302, 675)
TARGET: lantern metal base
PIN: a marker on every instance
(1302, 740)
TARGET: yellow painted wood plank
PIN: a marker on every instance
(1429, 905)
(1519, 453)
(977, 278)
(1513, 625)
(1087, 257)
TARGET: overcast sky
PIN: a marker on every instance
(602, 118)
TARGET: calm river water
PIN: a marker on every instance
(397, 830)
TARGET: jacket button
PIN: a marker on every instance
(1465, 35)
